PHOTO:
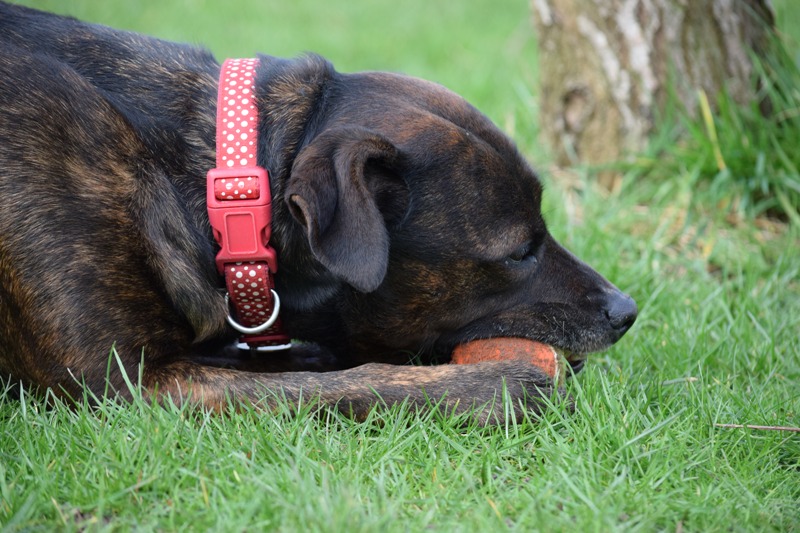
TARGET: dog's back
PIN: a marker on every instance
(86, 113)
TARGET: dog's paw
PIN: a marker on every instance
(490, 392)
(494, 391)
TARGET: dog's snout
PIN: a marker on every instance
(621, 311)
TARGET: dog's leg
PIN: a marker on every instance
(475, 388)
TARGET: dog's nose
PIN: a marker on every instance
(621, 311)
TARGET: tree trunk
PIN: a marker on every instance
(605, 66)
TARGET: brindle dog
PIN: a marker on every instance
(404, 220)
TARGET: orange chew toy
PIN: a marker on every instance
(504, 348)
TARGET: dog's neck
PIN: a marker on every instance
(291, 94)
(292, 97)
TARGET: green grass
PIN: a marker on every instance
(716, 342)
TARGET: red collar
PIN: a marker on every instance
(239, 209)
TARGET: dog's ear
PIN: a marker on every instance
(345, 187)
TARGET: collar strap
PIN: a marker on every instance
(239, 209)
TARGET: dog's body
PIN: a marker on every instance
(405, 223)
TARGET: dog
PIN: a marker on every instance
(404, 221)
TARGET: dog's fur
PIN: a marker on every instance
(404, 221)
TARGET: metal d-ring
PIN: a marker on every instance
(258, 329)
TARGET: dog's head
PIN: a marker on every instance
(425, 229)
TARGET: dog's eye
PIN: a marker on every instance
(524, 253)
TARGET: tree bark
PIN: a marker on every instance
(606, 66)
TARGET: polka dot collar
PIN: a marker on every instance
(237, 115)
(239, 210)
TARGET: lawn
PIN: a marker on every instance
(717, 342)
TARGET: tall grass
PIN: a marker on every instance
(745, 155)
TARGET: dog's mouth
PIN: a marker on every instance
(574, 360)
(576, 364)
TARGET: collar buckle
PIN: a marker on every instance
(240, 212)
